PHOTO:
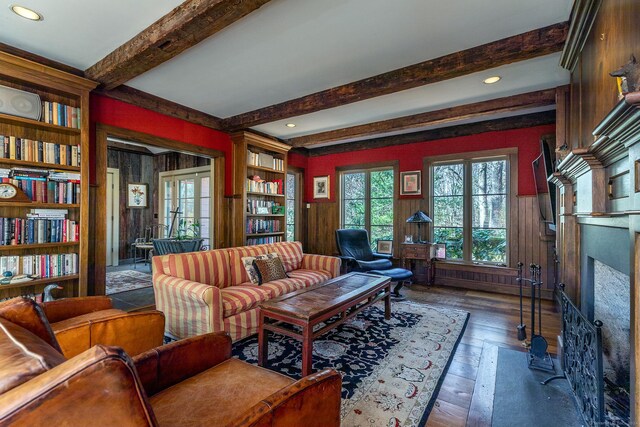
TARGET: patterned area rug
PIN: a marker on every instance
(391, 370)
(127, 280)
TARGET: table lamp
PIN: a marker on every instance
(419, 218)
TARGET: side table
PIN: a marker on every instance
(413, 254)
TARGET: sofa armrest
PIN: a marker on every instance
(67, 308)
(170, 364)
(133, 332)
(322, 262)
(312, 401)
(190, 308)
(98, 387)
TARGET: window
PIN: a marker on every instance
(291, 204)
(189, 190)
(367, 202)
(470, 208)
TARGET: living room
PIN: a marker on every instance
(412, 211)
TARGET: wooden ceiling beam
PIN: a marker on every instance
(182, 28)
(431, 118)
(532, 44)
(516, 122)
(160, 105)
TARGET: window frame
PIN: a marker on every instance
(467, 159)
(367, 169)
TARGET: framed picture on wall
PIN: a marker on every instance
(321, 187)
(411, 183)
(137, 195)
(384, 247)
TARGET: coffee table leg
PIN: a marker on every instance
(387, 303)
(307, 350)
(263, 342)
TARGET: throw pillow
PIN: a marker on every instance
(270, 269)
(247, 262)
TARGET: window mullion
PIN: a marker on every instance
(367, 202)
(467, 208)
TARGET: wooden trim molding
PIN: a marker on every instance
(582, 17)
(532, 44)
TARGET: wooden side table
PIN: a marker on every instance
(412, 256)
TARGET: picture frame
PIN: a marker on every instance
(384, 247)
(439, 250)
(137, 195)
(408, 238)
(262, 210)
(321, 187)
(411, 183)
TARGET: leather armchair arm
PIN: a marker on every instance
(377, 264)
(67, 308)
(70, 393)
(170, 364)
(382, 256)
(312, 401)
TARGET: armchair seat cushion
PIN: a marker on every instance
(376, 264)
(189, 402)
(310, 277)
(236, 299)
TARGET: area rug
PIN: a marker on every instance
(127, 280)
(391, 370)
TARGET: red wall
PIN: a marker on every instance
(411, 156)
(120, 114)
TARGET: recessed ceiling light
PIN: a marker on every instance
(290, 125)
(26, 13)
(492, 80)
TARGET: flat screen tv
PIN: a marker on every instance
(546, 191)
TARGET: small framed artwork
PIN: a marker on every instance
(408, 238)
(439, 250)
(137, 195)
(411, 183)
(321, 187)
(385, 247)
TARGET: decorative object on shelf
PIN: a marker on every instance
(384, 247)
(411, 183)
(20, 103)
(46, 294)
(419, 218)
(440, 251)
(11, 193)
(628, 77)
(321, 187)
(408, 238)
(277, 210)
(137, 195)
(261, 210)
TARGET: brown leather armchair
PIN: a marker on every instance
(193, 381)
(81, 323)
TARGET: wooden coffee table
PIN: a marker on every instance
(342, 297)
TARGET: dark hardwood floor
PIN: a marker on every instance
(466, 396)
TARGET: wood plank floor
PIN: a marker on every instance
(466, 396)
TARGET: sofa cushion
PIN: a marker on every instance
(290, 253)
(233, 386)
(23, 356)
(283, 286)
(208, 267)
(270, 269)
(236, 299)
(238, 273)
(310, 277)
(250, 268)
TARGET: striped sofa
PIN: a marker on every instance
(210, 291)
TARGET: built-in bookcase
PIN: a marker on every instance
(45, 234)
(263, 199)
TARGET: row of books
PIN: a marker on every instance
(12, 147)
(264, 160)
(266, 187)
(61, 115)
(264, 240)
(44, 266)
(48, 191)
(263, 226)
(253, 206)
(29, 231)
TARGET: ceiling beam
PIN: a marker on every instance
(431, 118)
(160, 105)
(182, 28)
(516, 122)
(532, 44)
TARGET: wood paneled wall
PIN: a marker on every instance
(138, 168)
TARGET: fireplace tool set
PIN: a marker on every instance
(539, 357)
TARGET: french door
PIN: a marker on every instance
(186, 193)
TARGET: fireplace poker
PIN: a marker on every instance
(522, 328)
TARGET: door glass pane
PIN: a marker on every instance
(290, 207)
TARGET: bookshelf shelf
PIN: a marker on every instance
(40, 282)
(265, 215)
(12, 162)
(278, 233)
(41, 205)
(255, 193)
(9, 248)
(262, 168)
(20, 121)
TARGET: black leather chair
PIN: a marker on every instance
(356, 254)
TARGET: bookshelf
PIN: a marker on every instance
(258, 156)
(49, 163)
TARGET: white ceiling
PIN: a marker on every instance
(291, 48)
